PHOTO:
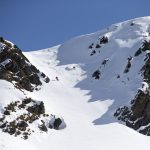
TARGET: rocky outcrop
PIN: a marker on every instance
(16, 68)
(18, 116)
(94, 47)
(96, 74)
(137, 115)
(128, 66)
(145, 46)
(22, 114)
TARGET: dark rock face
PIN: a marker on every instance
(6, 112)
(57, 123)
(37, 108)
(14, 66)
(43, 127)
(137, 115)
(145, 46)
(22, 125)
(128, 66)
(27, 101)
(141, 106)
(97, 46)
(104, 40)
(96, 74)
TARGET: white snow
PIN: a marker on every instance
(87, 105)
(127, 43)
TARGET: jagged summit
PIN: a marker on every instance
(99, 85)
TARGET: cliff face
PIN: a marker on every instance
(137, 115)
(16, 68)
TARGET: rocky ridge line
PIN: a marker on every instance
(16, 68)
(137, 115)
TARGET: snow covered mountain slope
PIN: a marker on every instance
(98, 83)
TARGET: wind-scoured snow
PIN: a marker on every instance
(87, 105)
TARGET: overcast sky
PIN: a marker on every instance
(38, 24)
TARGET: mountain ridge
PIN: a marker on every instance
(97, 74)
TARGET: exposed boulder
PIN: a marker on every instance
(34, 79)
(3, 125)
(57, 123)
(96, 74)
(128, 66)
(6, 112)
(37, 108)
(92, 53)
(22, 125)
(104, 40)
(138, 52)
(47, 79)
(91, 46)
(97, 46)
(27, 101)
(104, 62)
(43, 127)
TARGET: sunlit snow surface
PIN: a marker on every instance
(87, 105)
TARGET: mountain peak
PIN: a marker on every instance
(117, 60)
(16, 68)
(99, 84)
